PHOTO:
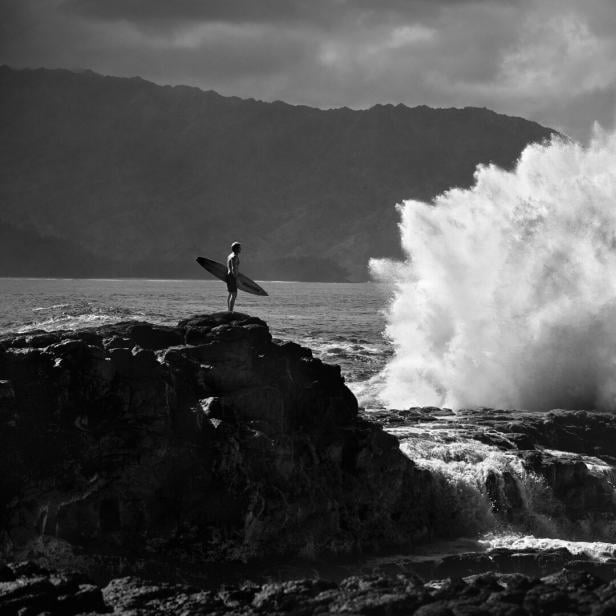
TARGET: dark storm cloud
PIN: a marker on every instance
(264, 11)
(550, 60)
(234, 11)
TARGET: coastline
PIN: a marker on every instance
(210, 453)
(210, 403)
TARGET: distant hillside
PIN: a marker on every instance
(110, 176)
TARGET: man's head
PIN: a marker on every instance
(236, 247)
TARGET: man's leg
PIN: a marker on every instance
(232, 297)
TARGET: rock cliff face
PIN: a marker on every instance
(202, 442)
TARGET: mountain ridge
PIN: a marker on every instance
(146, 177)
(90, 72)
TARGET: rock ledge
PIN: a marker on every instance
(133, 444)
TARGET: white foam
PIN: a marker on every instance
(71, 322)
(53, 307)
(508, 296)
(596, 550)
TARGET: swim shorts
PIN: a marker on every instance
(231, 281)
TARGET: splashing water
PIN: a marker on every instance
(482, 488)
(508, 296)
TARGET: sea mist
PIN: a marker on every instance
(507, 297)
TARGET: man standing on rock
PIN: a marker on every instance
(233, 269)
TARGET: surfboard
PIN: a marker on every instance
(220, 271)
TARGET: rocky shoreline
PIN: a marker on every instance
(178, 453)
(133, 445)
(549, 474)
(28, 589)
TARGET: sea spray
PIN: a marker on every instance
(508, 294)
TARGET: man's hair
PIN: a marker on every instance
(235, 245)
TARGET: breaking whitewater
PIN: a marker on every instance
(506, 300)
(508, 296)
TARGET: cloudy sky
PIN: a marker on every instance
(553, 61)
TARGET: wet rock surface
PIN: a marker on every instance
(531, 562)
(549, 474)
(33, 590)
(567, 592)
(27, 589)
(141, 447)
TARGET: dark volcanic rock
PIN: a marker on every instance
(572, 453)
(547, 474)
(33, 590)
(583, 432)
(566, 592)
(532, 562)
(201, 442)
